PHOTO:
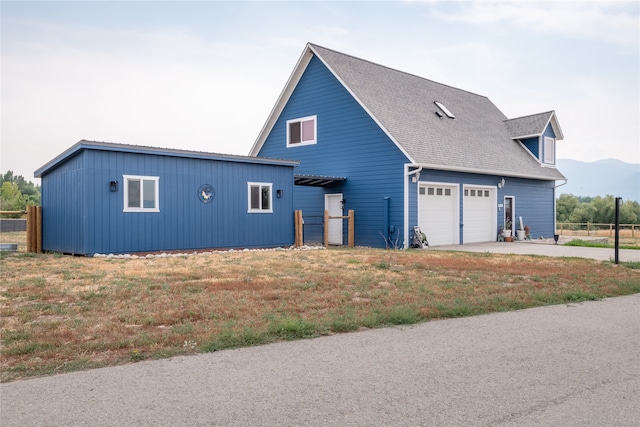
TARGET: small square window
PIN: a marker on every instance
(430, 191)
(466, 192)
(486, 193)
(439, 191)
(301, 131)
(447, 191)
(422, 191)
(473, 193)
(141, 193)
(260, 197)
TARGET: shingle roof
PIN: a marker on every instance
(477, 140)
(533, 125)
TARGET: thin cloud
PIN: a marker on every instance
(611, 21)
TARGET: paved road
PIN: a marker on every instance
(566, 365)
(545, 249)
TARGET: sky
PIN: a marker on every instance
(204, 76)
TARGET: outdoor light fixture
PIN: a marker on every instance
(279, 194)
(501, 183)
(113, 186)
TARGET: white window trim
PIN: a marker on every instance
(125, 180)
(260, 184)
(549, 159)
(315, 131)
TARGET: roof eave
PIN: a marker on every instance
(108, 146)
(292, 82)
(488, 172)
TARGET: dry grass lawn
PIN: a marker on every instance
(64, 313)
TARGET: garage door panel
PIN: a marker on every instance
(438, 217)
(479, 214)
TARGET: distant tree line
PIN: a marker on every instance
(16, 193)
(597, 210)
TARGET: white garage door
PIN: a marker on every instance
(438, 214)
(479, 214)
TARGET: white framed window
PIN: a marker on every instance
(259, 197)
(301, 131)
(549, 150)
(141, 193)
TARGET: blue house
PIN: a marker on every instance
(404, 151)
(111, 198)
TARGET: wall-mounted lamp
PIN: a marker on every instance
(501, 183)
(113, 186)
(342, 202)
(416, 177)
(279, 194)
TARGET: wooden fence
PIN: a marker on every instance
(34, 227)
(299, 221)
(595, 229)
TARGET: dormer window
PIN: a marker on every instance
(549, 151)
(444, 109)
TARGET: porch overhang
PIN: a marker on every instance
(317, 180)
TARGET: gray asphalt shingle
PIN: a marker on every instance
(478, 139)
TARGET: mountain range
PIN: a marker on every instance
(600, 178)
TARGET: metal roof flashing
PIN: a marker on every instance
(140, 149)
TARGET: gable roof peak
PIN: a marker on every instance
(317, 50)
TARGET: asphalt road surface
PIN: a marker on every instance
(565, 365)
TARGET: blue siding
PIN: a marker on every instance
(534, 199)
(64, 208)
(533, 145)
(82, 216)
(345, 137)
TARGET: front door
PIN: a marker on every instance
(333, 204)
(509, 208)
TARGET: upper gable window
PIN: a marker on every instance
(549, 150)
(444, 109)
(301, 131)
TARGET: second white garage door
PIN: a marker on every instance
(438, 213)
(479, 214)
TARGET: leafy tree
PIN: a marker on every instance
(583, 213)
(16, 193)
(565, 205)
(11, 199)
(597, 210)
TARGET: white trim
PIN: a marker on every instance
(529, 151)
(406, 199)
(300, 120)
(513, 212)
(141, 178)
(277, 109)
(326, 207)
(547, 140)
(481, 171)
(259, 185)
(364, 107)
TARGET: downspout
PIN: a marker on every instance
(408, 173)
(555, 207)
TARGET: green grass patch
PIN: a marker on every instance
(592, 244)
(631, 264)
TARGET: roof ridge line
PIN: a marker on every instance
(312, 45)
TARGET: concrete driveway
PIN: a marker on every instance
(565, 365)
(545, 248)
